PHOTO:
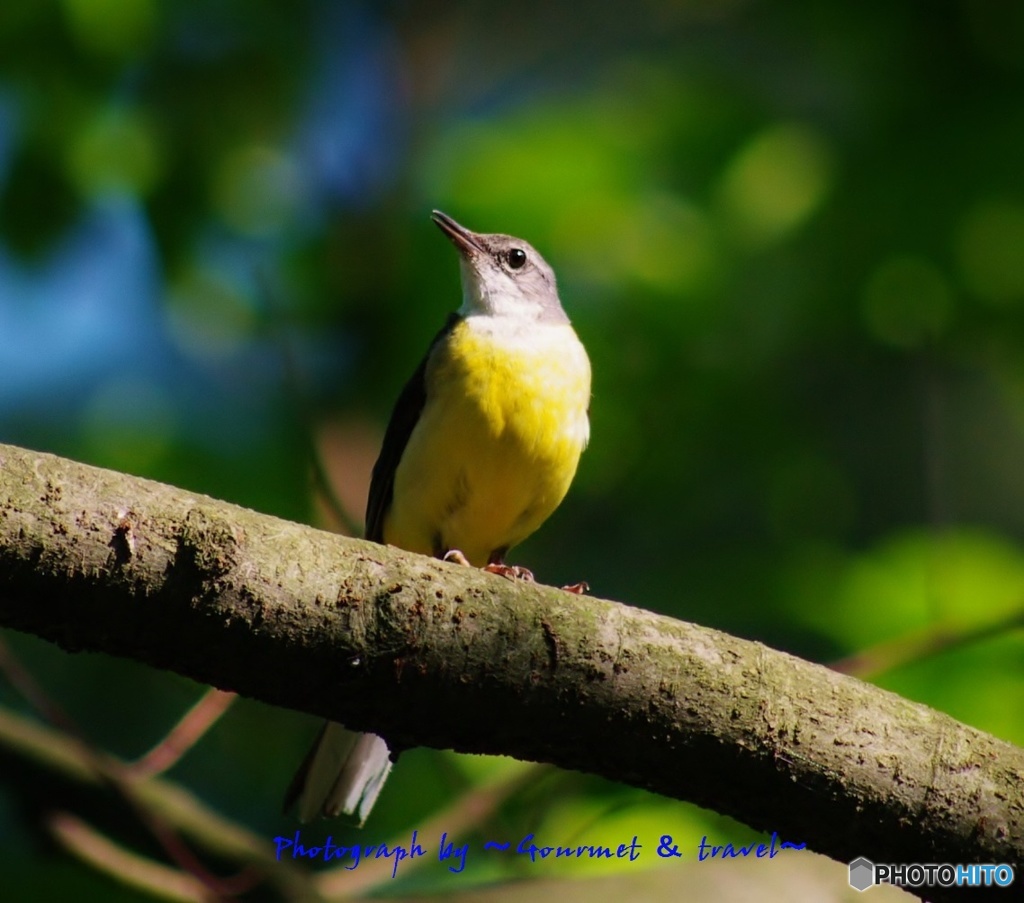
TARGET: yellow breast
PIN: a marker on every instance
(498, 441)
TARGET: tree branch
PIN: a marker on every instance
(427, 653)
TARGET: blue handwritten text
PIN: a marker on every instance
(330, 851)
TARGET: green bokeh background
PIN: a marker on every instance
(790, 236)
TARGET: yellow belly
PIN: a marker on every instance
(498, 441)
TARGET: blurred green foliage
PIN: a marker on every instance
(791, 237)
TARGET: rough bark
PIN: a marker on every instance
(427, 653)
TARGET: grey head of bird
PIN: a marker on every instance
(502, 276)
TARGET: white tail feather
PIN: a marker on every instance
(343, 774)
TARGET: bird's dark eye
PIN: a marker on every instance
(516, 258)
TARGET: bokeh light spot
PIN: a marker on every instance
(117, 150)
(990, 249)
(258, 190)
(113, 28)
(906, 302)
(775, 183)
(208, 315)
(658, 239)
(668, 244)
(128, 425)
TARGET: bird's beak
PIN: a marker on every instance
(467, 242)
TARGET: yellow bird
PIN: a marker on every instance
(481, 448)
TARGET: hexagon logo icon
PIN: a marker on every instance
(862, 873)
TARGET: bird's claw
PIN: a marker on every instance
(512, 571)
(456, 557)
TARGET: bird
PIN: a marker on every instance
(481, 447)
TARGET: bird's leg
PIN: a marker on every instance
(496, 565)
(512, 571)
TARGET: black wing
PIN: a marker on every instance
(404, 418)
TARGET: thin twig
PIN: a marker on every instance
(53, 749)
(104, 855)
(323, 486)
(910, 647)
(118, 777)
(184, 735)
(24, 682)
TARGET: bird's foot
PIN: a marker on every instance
(512, 571)
(456, 557)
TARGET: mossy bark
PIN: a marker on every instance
(427, 653)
